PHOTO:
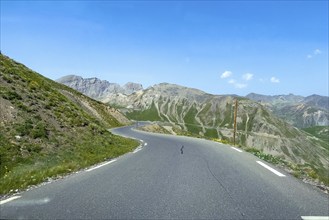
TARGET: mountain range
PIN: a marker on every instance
(299, 111)
(258, 123)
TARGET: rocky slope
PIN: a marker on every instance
(47, 129)
(98, 89)
(299, 111)
(212, 116)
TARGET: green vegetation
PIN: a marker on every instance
(48, 129)
(212, 133)
(190, 122)
(267, 157)
(298, 170)
(35, 165)
(321, 132)
(145, 115)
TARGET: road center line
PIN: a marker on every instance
(9, 199)
(93, 168)
(236, 149)
(270, 169)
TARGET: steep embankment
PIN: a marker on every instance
(48, 129)
(212, 116)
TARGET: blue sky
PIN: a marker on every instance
(221, 47)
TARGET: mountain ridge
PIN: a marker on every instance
(299, 111)
(96, 88)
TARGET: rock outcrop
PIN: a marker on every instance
(98, 89)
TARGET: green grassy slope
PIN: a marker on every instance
(321, 132)
(48, 129)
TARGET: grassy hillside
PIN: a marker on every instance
(48, 129)
(321, 132)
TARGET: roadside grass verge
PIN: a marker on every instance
(84, 152)
(300, 171)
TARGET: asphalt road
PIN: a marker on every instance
(172, 177)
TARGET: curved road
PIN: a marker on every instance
(172, 177)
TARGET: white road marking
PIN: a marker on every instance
(315, 217)
(145, 144)
(270, 169)
(237, 149)
(32, 202)
(93, 168)
(9, 199)
(137, 149)
(141, 140)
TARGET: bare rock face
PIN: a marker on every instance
(130, 88)
(98, 89)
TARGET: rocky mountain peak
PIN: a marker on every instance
(131, 87)
(98, 89)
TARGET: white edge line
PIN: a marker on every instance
(315, 217)
(237, 149)
(270, 169)
(93, 168)
(137, 149)
(9, 199)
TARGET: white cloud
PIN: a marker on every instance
(226, 74)
(315, 53)
(234, 82)
(247, 76)
(274, 80)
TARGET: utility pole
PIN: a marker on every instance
(235, 115)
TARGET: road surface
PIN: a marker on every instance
(172, 177)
